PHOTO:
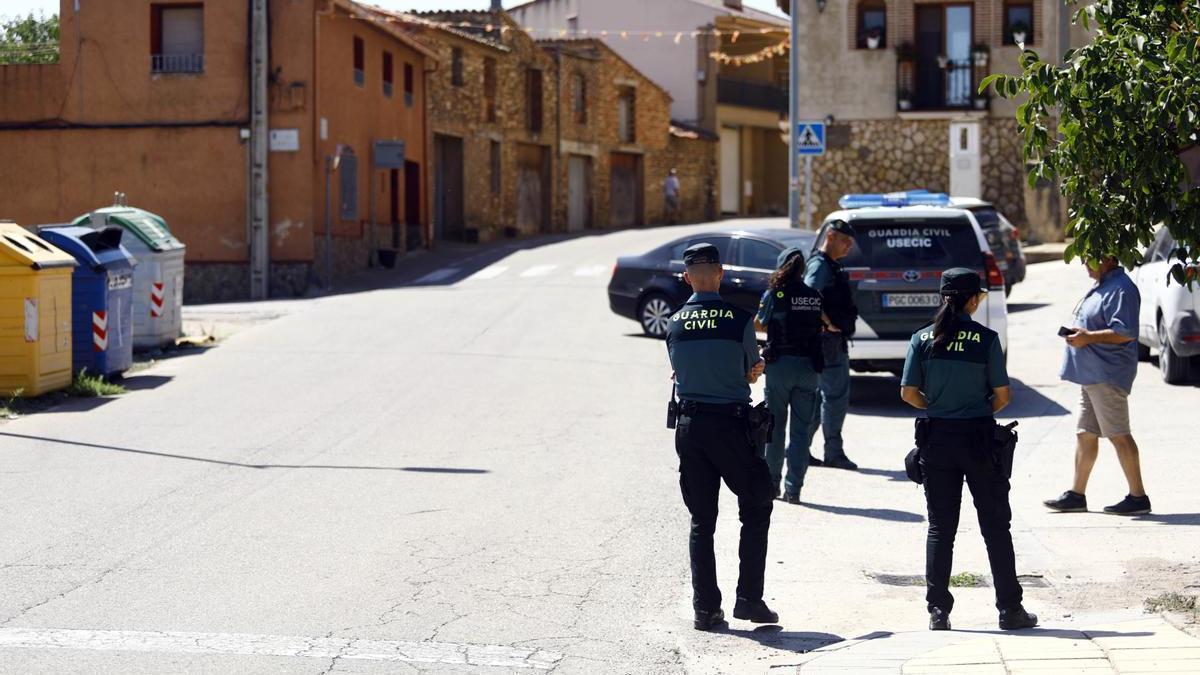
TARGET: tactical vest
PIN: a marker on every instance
(794, 326)
(839, 299)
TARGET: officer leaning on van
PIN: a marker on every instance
(791, 314)
(825, 274)
(714, 353)
(955, 372)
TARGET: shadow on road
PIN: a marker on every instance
(1060, 633)
(877, 514)
(879, 396)
(207, 460)
(800, 642)
(1171, 518)
(897, 475)
(142, 382)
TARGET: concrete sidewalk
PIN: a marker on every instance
(1144, 645)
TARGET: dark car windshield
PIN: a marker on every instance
(987, 216)
(914, 242)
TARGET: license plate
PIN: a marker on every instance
(911, 299)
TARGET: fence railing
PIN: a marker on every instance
(177, 63)
(759, 95)
(944, 87)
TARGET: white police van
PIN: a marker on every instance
(903, 243)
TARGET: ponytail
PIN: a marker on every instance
(780, 277)
(952, 306)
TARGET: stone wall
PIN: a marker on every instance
(230, 282)
(694, 157)
(894, 155)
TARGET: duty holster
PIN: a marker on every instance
(761, 423)
(1004, 447)
(912, 461)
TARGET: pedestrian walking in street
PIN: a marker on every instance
(714, 354)
(955, 372)
(671, 196)
(1101, 357)
(825, 274)
(791, 314)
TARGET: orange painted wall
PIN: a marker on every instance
(356, 115)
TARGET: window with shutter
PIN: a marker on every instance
(177, 38)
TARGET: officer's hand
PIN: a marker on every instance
(830, 328)
(1080, 338)
(757, 370)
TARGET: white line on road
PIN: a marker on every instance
(593, 271)
(489, 272)
(173, 642)
(438, 275)
(539, 270)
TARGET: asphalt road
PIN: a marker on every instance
(468, 472)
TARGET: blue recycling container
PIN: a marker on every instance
(101, 297)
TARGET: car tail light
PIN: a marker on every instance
(1190, 338)
(1191, 273)
(615, 266)
(1016, 234)
(995, 278)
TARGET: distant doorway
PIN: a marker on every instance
(731, 170)
(412, 204)
(448, 187)
(579, 192)
(533, 188)
(626, 196)
(394, 211)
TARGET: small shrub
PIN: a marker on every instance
(91, 386)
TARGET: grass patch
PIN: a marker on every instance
(1171, 602)
(966, 580)
(91, 386)
(11, 407)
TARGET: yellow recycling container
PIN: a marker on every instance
(35, 313)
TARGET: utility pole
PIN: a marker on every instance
(257, 193)
(793, 115)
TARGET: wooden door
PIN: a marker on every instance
(626, 189)
(579, 192)
(448, 186)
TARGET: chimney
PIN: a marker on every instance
(497, 6)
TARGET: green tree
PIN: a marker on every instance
(1111, 123)
(29, 40)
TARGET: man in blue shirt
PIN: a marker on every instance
(1101, 357)
(715, 357)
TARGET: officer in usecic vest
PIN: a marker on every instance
(791, 314)
(715, 357)
(825, 274)
(955, 372)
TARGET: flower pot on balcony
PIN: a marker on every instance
(904, 104)
(1018, 37)
(873, 42)
(943, 61)
(981, 59)
(981, 102)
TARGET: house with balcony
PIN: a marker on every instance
(672, 42)
(897, 82)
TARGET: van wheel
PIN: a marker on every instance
(654, 314)
(1173, 366)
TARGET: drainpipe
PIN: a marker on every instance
(554, 177)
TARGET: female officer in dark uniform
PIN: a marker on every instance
(955, 371)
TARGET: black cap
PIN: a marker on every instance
(786, 255)
(961, 281)
(702, 254)
(841, 227)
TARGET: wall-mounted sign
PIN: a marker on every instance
(284, 140)
(388, 154)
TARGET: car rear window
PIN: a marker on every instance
(987, 216)
(721, 242)
(914, 242)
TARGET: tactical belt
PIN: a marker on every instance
(691, 408)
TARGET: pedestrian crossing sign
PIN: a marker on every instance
(810, 138)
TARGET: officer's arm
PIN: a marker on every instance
(1001, 397)
(765, 306)
(829, 325)
(818, 276)
(754, 362)
(914, 397)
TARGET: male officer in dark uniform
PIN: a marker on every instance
(825, 274)
(790, 313)
(714, 354)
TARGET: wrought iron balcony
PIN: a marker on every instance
(935, 85)
(177, 63)
(759, 95)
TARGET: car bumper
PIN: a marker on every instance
(1184, 333)
(623, 305)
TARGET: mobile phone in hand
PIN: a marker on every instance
(1063, 331)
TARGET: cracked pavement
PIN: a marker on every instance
(423, 478)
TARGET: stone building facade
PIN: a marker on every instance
(896, 80)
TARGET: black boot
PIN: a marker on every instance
(1016, 619)
(754, 611)
(939, 619)
(708, 620)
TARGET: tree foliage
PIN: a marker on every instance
(1111, 123)
(29, 40)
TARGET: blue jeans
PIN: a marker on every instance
(835, 400)
(791, 381)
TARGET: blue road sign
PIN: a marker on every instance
(810, 138)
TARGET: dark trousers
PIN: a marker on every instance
(958, 450)
(712, 447)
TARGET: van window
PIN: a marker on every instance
(914, 242)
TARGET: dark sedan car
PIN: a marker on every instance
(649, 287)
(1002, 237)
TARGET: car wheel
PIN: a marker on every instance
(655, 314)
(1173, 366)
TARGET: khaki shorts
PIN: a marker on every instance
(1104, 410)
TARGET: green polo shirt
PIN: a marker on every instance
(957, 380)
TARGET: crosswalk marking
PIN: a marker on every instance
(438, 275)
(539, 270)
(592, 271)
(490, 272)
(178, 642)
